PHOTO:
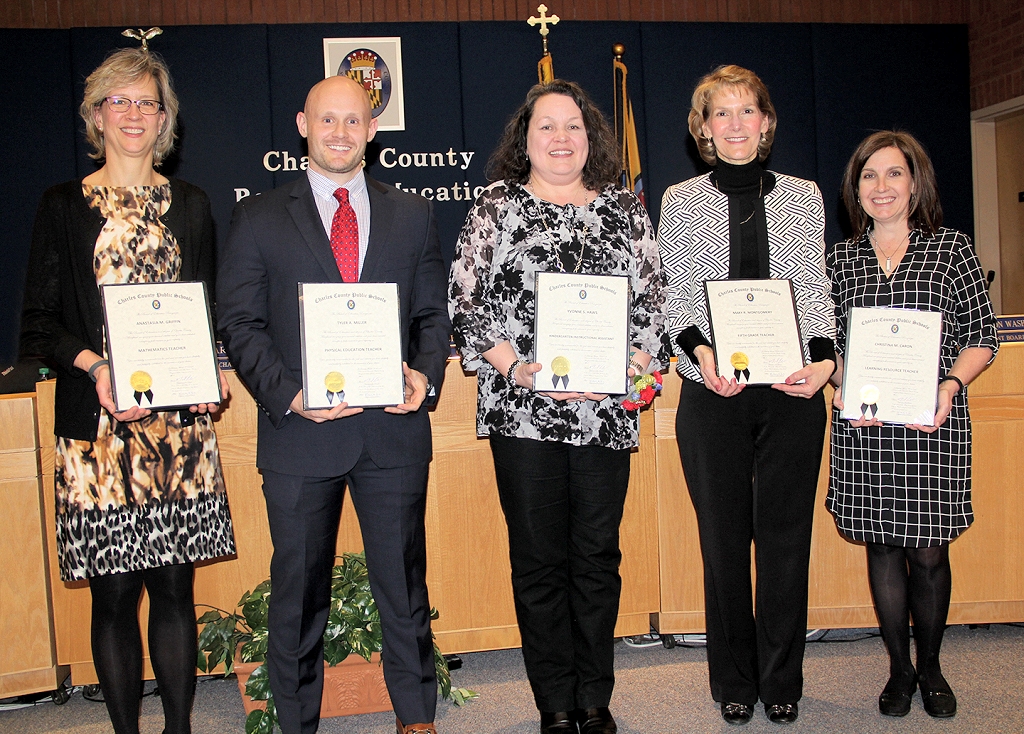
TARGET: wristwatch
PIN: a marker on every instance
(431, 396)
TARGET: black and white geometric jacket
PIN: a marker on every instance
(693, 238)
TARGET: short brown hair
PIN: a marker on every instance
(121, 68)
(925, 210)
(700, 107)
(510, 161)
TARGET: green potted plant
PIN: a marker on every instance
(352, 645)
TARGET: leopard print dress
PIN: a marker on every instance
(145, 493)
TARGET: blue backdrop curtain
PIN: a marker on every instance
(240, 87)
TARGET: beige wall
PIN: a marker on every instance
(1009, 141)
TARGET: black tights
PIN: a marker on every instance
(911, 582)
(117, 644)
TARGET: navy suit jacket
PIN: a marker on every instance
(276, 241)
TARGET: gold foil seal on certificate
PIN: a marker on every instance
(142, 384)
(740, 364)
(868, 401)
(335, 384)
(560, 368)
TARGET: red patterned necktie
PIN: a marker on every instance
(345, 238)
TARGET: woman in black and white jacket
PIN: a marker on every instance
(751, 454)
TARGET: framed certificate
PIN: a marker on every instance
(160, 345)
(891, 365)
(351, 345)
(582, 333)
(754, 330)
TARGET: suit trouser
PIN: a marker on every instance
(751, 464)
(563, 505)
(304, 514)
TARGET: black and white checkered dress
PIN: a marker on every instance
(890, 484)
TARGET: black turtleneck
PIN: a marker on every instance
(746, 186)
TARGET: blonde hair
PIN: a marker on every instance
(121, 68)
(729, 76)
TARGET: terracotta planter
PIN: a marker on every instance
(353, 686)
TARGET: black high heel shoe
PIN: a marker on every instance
(895, 697)
(782, 713)
(939, 700)
(736, 713)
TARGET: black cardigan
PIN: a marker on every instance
(62, 315)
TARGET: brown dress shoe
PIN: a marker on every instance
(401, 728)
(557, 722)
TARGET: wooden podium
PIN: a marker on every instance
(28, 656)
(467, 545)
(988, 585)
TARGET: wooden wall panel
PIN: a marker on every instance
(996, 26)
(74, 13)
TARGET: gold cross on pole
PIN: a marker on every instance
(543, 21)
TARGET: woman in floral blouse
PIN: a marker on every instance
(561, 458)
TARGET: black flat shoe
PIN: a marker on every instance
(939, 702)
(737, 713)
(557, 722)
(895, 697)
(781, 713)
(596, 721)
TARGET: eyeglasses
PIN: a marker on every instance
(123, 104)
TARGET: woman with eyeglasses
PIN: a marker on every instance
(139, 494)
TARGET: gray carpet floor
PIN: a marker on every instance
(657, 691)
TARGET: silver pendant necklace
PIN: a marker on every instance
(888, 257)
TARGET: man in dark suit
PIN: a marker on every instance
(307, 457)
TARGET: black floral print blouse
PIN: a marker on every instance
(509, 236)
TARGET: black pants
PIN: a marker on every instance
(304, 513)
(751, 464)
(563, 505)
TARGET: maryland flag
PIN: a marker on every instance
(630, 174)
(545, 69)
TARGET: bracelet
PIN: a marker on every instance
(955, 379)
(96, 365)
(634, 364)
(510, 376)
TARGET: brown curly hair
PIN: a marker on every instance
(510, 162)
(925, 211)
(729, 76)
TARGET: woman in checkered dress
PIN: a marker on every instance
(905, 490)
